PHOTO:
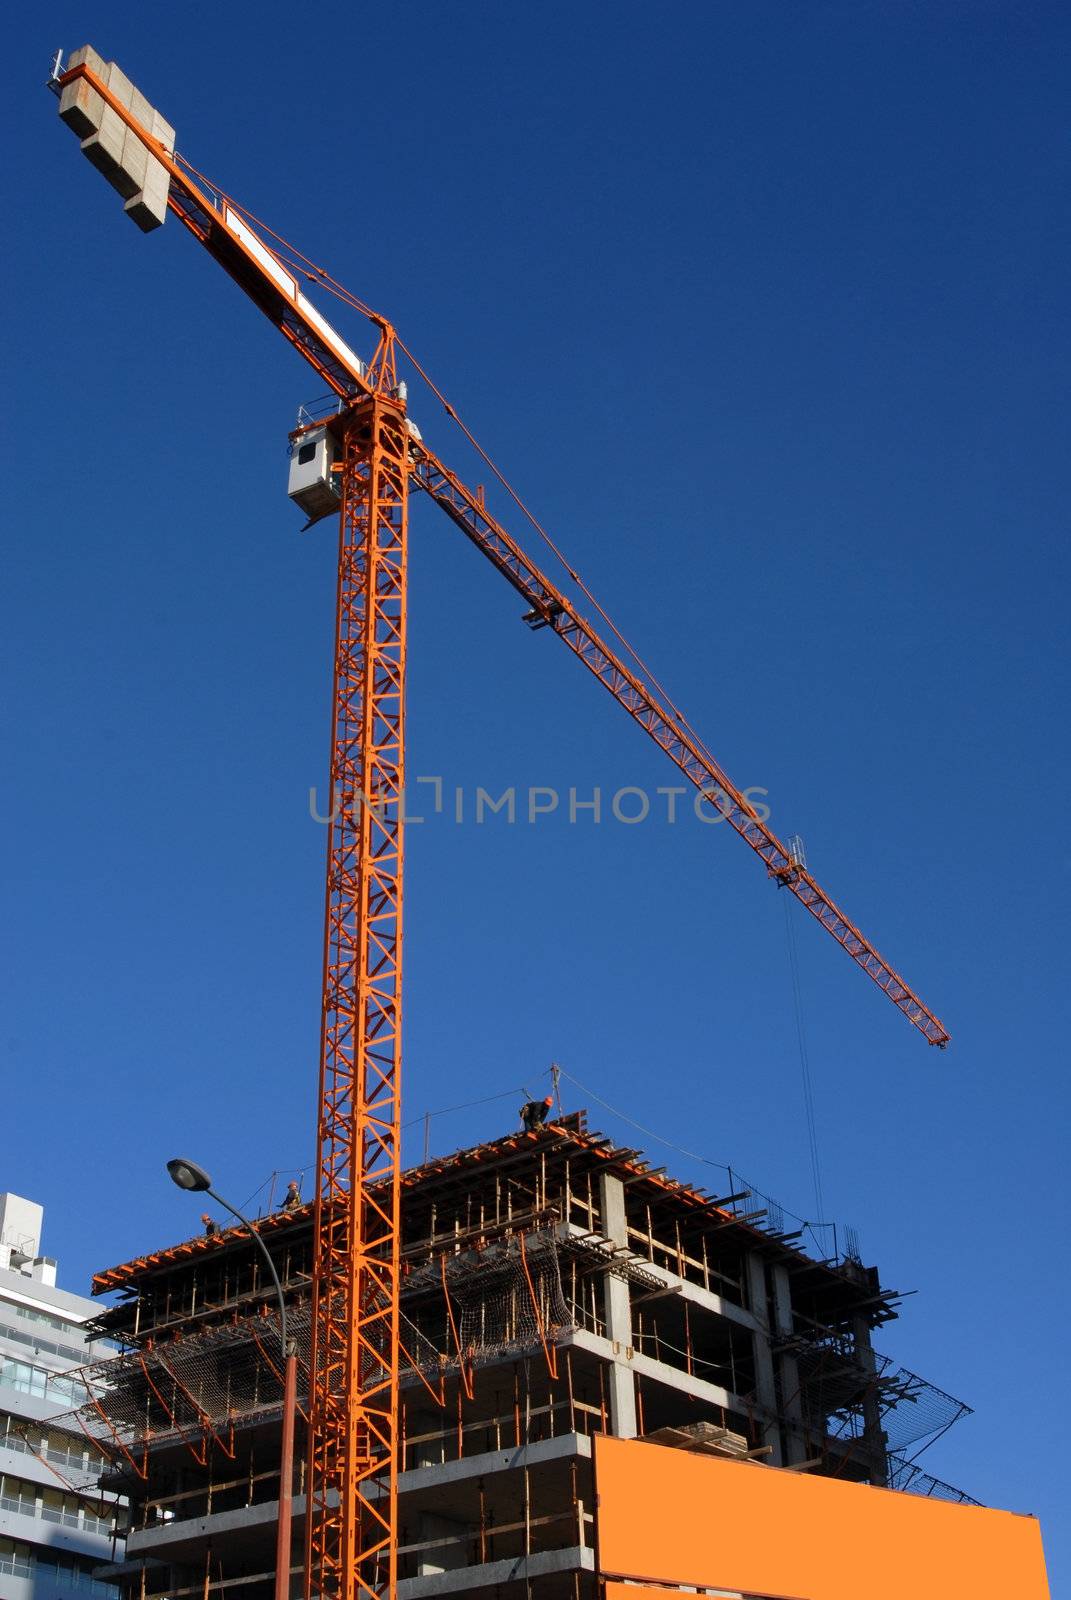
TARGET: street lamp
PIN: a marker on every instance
(188, 1175)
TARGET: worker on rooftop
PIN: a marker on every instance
(212, 1228)
(292, 1201)
(535, 1113)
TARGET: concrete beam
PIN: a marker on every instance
(566, 1446)
(169, 1538)
(657, 1371)
(492, 1573)
(694, 1292)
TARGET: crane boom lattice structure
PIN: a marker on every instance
(551, 608)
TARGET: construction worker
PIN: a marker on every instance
(212, 1229)
(535, 1113)
(293, 1196)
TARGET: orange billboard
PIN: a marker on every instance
(637, 1591)
(669, 1517)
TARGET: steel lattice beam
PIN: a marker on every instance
(552, 608)
(352, 1532)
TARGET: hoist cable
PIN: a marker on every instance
(805, 1065)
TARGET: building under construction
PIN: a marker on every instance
(557, 1288)
(485, 1338)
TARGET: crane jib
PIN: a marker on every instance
(643, 705)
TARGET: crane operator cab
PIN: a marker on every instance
(313, 485)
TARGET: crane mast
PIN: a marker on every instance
(351, 1521)
(350, 1531)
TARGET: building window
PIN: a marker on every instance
(50, 1505)
(57, 1507)
(65, 1450)
(42, 1316)
(23, 1561)
(17, 1495)
(73, 1352)
(47, 1385)
(16, 1558)
(22, 1376)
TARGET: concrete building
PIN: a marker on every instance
(55, 1529)
(557, 1288)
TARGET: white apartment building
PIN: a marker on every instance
(51, 1538)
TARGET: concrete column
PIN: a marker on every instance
(765, 1388)
(790, 1378)
(873, 1433)
(617, 1309)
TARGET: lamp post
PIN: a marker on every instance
(188, 1175)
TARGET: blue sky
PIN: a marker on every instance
(763, 309)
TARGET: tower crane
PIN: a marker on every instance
(365, 457)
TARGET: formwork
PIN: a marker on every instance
(556, 1288)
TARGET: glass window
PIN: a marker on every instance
(66, 1451)
(71, 1571)
(24, 1377)
(17, 1435)
(17, 1495)
(43, 1316)
(59, 1507)
(74, 1352)
(16, 1558)
(306, 454)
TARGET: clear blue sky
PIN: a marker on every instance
(764, 309)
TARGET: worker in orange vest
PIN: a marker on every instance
(535, 1113)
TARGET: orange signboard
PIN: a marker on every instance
(669, 1517)
(638, 1591)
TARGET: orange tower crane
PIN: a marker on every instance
(351, 1538)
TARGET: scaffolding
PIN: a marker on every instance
(527, 1299)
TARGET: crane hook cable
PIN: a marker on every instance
(805, 1062)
